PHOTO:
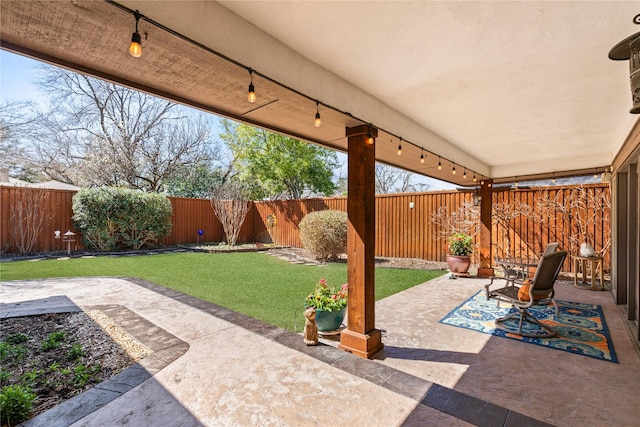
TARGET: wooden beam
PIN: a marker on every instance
(486, 203)
(361, 337)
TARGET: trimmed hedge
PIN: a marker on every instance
(324, 233)
(112, 218)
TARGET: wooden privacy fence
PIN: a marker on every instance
(525, 220)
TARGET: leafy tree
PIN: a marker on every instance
(97, 133)
(194, 182)
(277, 166)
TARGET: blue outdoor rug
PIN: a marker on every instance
(581, 327)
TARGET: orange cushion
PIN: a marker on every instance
(523, 292)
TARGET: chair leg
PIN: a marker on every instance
(524, 316)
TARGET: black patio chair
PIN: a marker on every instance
(539, 288)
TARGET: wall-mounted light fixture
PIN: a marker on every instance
(477, 198)
(629, 49)
(251, 94)
(135, 48)
(317, 122)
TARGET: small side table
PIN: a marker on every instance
(591, 264)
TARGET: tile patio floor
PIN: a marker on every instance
(214, 367)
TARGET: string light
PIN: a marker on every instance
(422, 156)
(317, 121)
(595, 174)
(251, 95)
(474, 178)
(135, 48)
(454, 170)
(400, 147)
(553, 178)
(464, 175)
(439, 164)
(370, 138)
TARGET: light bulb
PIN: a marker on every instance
(135, 48)
(439, 165)
(454, 170)
(399, 149)
(317, 122)
(251, 96)
(422, 158)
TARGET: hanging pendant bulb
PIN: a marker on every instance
(439, 164)
(422, 157)
(317, 122)
(251, 95)
(474, 178)
(135, 48)
(454, 170)
(400, 147)
(464, 175)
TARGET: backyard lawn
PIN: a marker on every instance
(254, 284)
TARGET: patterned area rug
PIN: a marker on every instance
(581, 327)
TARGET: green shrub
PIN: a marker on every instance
(16, 403)
(324, 233)
(116, 217)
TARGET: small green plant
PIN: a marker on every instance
(54, 367)
(76, 352)
(16, 403)
(460, 244)
(30, 378)
(324, 233)
(4, 375)
(327, 298)
(17, 338)
(12, 352)
(52, 341)
(82, 374)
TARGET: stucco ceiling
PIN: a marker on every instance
(502, 89)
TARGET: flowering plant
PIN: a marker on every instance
(327, 298)
(460, 244)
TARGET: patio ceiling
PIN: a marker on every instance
(503, 89)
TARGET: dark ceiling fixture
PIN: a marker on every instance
(629, 49)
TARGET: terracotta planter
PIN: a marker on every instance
(458, 263)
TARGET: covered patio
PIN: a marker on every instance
(216, 367)
(474, 93)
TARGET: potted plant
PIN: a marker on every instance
(459, 253)
(330, 305)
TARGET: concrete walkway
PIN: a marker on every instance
(215, 367)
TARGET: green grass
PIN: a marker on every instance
(254, 284)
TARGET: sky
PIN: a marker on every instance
(17, 75)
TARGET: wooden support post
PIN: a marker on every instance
(486, 203)
(361, 337)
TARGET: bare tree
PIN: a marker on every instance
(390, 179)
(29, 215)
(465, 219)
(230, 204)
(578, 209)
(98, 133)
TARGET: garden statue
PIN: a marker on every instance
(310, 328)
